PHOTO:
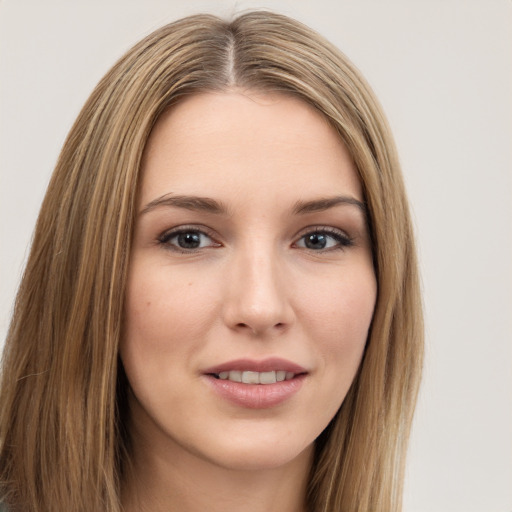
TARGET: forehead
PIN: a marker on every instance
(241, 142)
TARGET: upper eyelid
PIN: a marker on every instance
(321, 229)
(186, 228)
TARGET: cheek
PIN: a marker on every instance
(161, 312)
(344, 306)
(340, 317)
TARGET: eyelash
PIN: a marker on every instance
(342, 240)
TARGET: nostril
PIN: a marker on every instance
(259, 329)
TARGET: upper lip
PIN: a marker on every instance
(251, 365)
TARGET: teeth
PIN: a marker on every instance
(235, 376)
(248, 377)
(280, 375)
(267, 377)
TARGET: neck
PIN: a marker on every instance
(164, 477)
(188, 484)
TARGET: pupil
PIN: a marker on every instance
(316, 241)
(189, 240)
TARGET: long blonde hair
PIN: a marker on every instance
(63, 409)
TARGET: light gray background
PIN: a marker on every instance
(443, 71)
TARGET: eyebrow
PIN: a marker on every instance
(325, 203)
(195, 203)
(209, 205)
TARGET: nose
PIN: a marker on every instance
(257, 299)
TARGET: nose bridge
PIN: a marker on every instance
(257, 293)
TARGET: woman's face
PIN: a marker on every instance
(251, 262)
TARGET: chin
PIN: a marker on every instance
(259, 454)
(258, 458)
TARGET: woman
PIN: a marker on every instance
(221, 304)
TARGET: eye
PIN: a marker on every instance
(324, 239)
(187, 239)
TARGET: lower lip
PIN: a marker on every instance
(256, 396)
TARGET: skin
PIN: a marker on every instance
(259, 285)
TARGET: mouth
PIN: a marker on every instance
(248, 371)
(256, 384)
(250, 377)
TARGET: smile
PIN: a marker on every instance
(250, 377)
(256, 384)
